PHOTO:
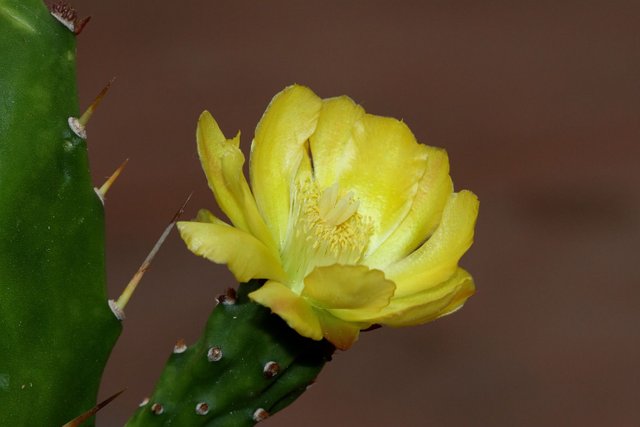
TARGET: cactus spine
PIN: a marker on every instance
(56, 327)
(247, 365)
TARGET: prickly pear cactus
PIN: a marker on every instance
(56, 327)
(247, 365)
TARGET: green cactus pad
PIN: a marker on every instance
(56, 327)
(247, 364)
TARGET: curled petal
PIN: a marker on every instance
(222, 162)
(430, 304)
(350, 292)
(289, 306)
(377, 158)
(436, 260)
(423, 217)
(247, 257)
(277, 152)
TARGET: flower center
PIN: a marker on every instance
(325, 228)
(333, 211)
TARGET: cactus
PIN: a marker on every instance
(248, 364)
(262, 346)
(56, 327)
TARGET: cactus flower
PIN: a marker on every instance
(349, 220)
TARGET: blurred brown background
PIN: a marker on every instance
(537, 103)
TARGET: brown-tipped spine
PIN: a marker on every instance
(102, 191)
(91, 412)
(79, 125)
(146, 264)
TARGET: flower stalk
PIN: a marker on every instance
(247, 365)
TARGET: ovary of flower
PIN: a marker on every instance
(348, 219)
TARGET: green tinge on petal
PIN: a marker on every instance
(222, 162)
(247, 257)
(338, 332)
(205, 215)
(436, 260)
(377, 158)
(431, 304)
(423, 217)
(350, 292)
(290, 307)
(277, 151)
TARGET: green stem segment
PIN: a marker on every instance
(247, 365)
(56, 327)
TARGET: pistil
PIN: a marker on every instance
(325, 229)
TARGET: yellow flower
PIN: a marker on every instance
(349, 220)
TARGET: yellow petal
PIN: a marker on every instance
(423, 217)
(430, 304)
(222, 162)
(467, 290)
(247, 257)
(338, 332)
(332, 146)
(289, 306)
(436, 260)
(350, 292)
(277, 151)
(376, 157)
